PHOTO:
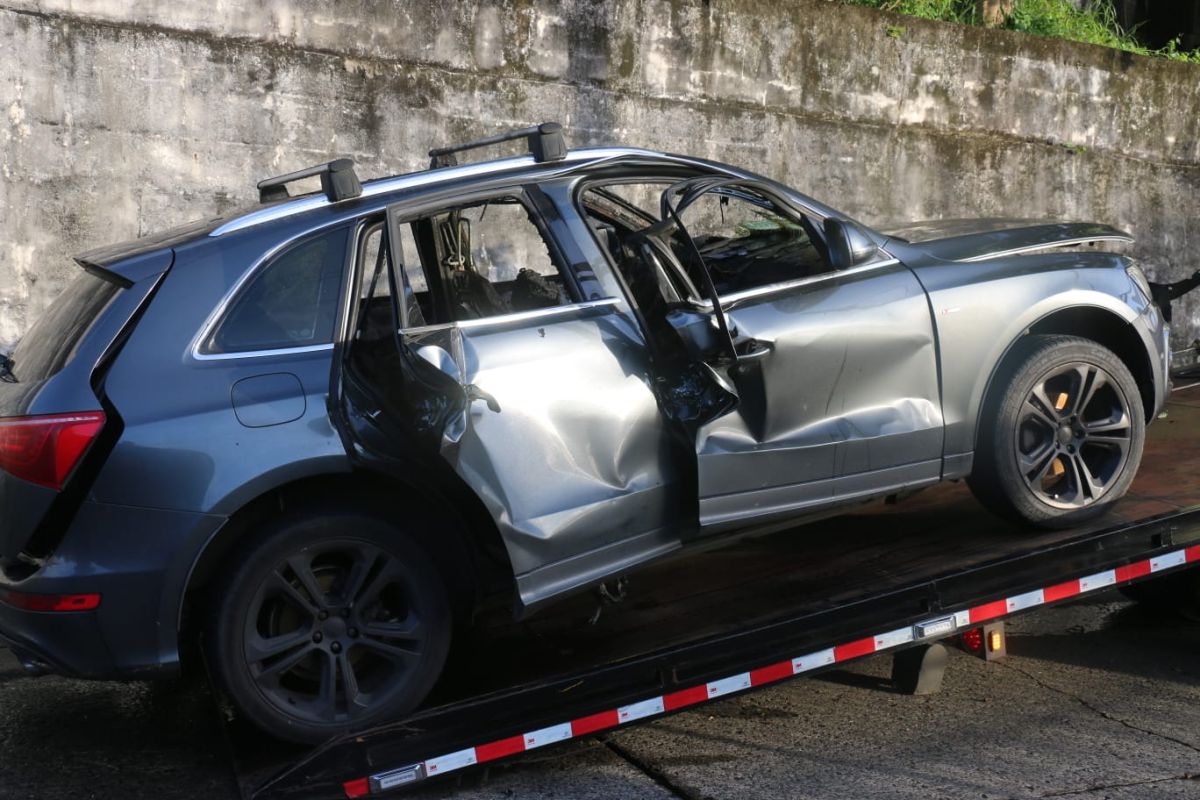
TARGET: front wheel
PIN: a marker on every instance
(1061, 436)
(330, 621)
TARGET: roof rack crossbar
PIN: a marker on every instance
(546, 143)
(338, 181)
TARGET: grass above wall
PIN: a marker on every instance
(1057, 18)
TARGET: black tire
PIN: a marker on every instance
(1061, 434)
(327, 622)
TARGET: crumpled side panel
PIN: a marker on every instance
(561, 436)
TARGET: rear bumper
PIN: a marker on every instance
(138, 560)
(36, 640)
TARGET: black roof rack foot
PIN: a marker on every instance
(338, 181)
(546, 143)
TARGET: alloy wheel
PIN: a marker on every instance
(334, 632)
(1073, 435)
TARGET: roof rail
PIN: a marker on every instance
(546, 143)
(338, 182)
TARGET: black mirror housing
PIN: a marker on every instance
(697, 331)
(849, 243)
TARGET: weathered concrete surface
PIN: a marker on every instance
(1098, 700)
(120, 118)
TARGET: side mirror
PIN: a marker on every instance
(849, 243)
(441, 359)
(698, 330)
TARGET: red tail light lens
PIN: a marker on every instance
(50, 602)
(44, 450)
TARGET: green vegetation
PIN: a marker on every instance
(1057, 18)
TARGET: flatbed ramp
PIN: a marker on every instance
(728, 620)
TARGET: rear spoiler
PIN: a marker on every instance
(128, 271)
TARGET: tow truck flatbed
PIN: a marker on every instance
(882, 578)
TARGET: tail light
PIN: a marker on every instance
(972, 641)
(49, 602)
(45, 449)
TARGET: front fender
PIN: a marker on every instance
(978, 323)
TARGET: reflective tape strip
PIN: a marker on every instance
(499, 749)
(594, 722)
(448, 763)
(1168, 560)
(359, 787)
(1138, 569)
(685, 697)
(646, 708)
(894, 638)
(1023, 601)
(770, 673)
(544, 736)
(1090, 583)
(729, 685)
(821, 658)
(988, 611)
(859, 647)
(1061, 591)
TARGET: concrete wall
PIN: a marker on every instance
(118, 118)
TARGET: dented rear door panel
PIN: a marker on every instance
(549, 417)
(561, 436)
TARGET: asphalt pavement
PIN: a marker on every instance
(1098, 699)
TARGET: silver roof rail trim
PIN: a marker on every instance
(574, 159)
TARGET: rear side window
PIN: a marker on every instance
(52, 340)
(484, 260)
(292, 302)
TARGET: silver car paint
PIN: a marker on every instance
(982, 307)
(850, 387)
(873, 386)
(562, 439)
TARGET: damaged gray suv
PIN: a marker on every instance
(318, 432)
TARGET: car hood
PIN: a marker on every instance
(977, 239)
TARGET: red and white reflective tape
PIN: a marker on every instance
(771, 673)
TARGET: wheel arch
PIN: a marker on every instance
(475, 543)
(1099, 324)
(1108, 330)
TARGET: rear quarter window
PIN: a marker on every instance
(52, 341)
(291, 302)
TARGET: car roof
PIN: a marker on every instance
(576, 160)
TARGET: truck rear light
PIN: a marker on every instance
(49, 602)
(45, 449)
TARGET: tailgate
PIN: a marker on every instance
(55, 373)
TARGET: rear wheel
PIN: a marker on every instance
(330, 621)
(1062, 435)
